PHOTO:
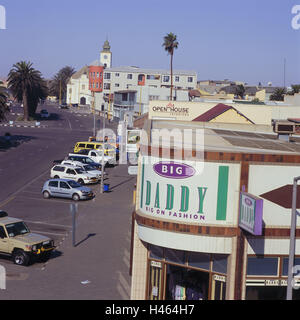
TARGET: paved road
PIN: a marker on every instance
(103, 223)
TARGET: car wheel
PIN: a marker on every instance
(21, 258)
(80, 181)
(76, 197)
(46, 195)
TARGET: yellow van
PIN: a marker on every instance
(108, 148)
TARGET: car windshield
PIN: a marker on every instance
(88, 160)
(74, 184)
(16, 229)
(88, 167)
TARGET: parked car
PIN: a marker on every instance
(64, 106)
(109, 149)
(18, 242)
(85, 167)
(83, 159)
(64, 188)
(96, 156)
(44, 113)
(63, 171)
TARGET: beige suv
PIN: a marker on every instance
(18, 242)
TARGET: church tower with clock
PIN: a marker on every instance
(106, 55)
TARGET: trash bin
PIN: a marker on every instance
(106, 187)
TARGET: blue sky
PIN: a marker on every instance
(244, 40)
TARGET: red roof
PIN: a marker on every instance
(216, 111)
(213, 112)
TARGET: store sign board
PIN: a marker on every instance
(251, 213)
(170, 169)
(182, 192)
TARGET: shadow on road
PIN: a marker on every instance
(86, 238)
(12, 141)
(117, 185)
(52, 117)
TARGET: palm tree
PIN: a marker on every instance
(58, 85)
(171, 43)
(278, 94)
(240, 91)
(24, 82)
(3, 100)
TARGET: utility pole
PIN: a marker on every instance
(284, 73)
(60, 92)
(94, 114)
(102, 167)
(140, 113)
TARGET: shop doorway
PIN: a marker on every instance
(83, 101)
(186, 284)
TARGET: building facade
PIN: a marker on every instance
(78, 88)
(212, 217)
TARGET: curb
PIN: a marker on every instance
(21, 126)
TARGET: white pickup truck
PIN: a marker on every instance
(95, 155)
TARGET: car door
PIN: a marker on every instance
(70, 174)
(64, 189)
(53, 188)
(3, 240)
(94, 156)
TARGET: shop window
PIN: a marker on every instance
(219, 263)
(176, 256)
(259, 266)
(186, 284)
(285, 265)
(199, 260)
(156, 252)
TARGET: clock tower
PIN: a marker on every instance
(106, 55)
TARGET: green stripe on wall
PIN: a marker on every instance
(222, 193)
(142, 184)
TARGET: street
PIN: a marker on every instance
(101, 257)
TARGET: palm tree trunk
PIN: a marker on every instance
(171, 91)
(25, 106)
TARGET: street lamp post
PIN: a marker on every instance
(94, 114)
(289, 294)
(102, 167)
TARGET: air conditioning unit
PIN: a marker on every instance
(284, 127)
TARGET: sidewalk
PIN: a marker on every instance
(98, 266)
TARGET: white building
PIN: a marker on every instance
(78, 88)
(136, 99)
(128, 78)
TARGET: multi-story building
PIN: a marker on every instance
(104, 80)
(135, 100)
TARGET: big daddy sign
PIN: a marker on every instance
(185, 191)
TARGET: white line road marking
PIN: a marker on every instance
(53, 233)
(49, 224)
